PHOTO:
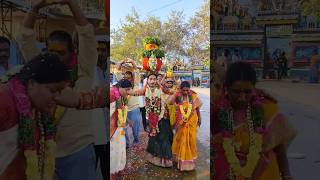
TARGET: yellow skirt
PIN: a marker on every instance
(184, 147)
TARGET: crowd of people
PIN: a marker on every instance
(169, 111)
(54, 122)
(276, 67)
(278, 64)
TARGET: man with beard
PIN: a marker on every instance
(160, 133)
(4, 55)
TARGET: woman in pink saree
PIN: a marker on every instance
(27, 129)
(118, 112)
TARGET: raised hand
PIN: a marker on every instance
(128, 60)
(131, 61)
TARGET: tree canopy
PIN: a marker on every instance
(180, 38)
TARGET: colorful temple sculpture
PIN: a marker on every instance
(258, 31)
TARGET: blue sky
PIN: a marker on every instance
(160, 8)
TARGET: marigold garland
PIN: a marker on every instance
(122, 109)
(39, 163)
(256, 130)
(149, 47)
(122, 116)
(252, 157)
(185, 114)
(49, 162)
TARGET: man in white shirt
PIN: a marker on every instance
(4, 55)
(75, 155)
(134, 114)
(130, 72)
(100, 120)
(142, 106)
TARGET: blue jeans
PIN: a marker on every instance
(79, 165)
(135, 118)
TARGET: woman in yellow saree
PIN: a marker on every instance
(250, 136)
(184, 147)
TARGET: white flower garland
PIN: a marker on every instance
(153, 96)
(152, 63)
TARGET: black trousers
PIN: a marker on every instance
(144, 119)
(102, 154)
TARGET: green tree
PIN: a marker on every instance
(126, 42)
(174, 35)
(310, 7)
(199, 35)
(180, 38)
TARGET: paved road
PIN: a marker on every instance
(203, 134)
(300, 103)
(204, 131)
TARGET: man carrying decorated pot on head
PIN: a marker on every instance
(160, 133)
